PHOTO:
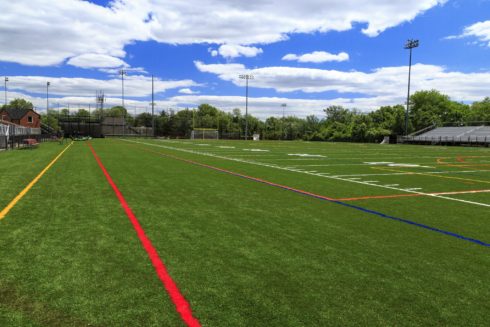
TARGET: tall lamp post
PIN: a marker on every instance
(246, 77)
(411, 44)
(47, 97)
(6, 80)
(122, 72)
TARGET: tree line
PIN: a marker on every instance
(427, 108)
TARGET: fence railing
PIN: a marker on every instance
(471, 140)
(12, 136)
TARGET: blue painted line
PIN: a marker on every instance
(304, 193)
(373, 212)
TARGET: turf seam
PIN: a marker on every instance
(321, 197)
(182, 306)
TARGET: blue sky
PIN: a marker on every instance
(347, 52)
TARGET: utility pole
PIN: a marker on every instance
(410, 45)
(284, 105)
(246, 77)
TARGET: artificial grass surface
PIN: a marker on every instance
(243, 253)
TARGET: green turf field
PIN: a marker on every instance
(253, 233)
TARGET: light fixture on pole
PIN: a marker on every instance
(411, 44)
(246, 77)
(6, 80)
(47, 97)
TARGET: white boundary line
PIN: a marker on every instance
(308, 173)
(412, 173)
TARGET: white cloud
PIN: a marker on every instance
(134, 85)
(115, 71)
(242, 22)
(234, 51)
(187, 91)
(317, 57)
(46, 32)
(480, 30)
(263, 107)
(95, 60)
(385, 81)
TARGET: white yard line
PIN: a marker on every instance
(368, 183)
(411, 173)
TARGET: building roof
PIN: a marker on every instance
(16, 113)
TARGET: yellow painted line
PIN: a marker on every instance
(19, 196)
(433, 175)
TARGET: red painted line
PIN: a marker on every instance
(305, 192)
(240, 175)
(183, 307)
(365, 210)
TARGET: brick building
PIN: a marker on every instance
(24, 117)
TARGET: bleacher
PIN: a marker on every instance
(454, 135)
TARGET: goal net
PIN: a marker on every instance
(204, 134)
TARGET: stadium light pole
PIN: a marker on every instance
(152, 106)
(47, 97)
(284, 105)
(246, 77)
(410, 45)
(6, 80)
(122, 72)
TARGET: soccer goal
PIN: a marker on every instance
(204, 134)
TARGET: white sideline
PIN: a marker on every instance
(307, 173)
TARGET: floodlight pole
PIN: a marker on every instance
(6, 80)
(47, 97)
(246, 77)
(411, 44)
(152, 106)
(284, 105)
(122, 72)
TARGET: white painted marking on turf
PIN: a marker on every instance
(226, 147)
(256, 150)
(306, 155)
(381, 163)
(368, 183)
(410, 173)
(406, 165)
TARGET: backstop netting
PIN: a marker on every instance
(204, 134)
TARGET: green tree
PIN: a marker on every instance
(480, 111)
(20, 104)
(434, 108)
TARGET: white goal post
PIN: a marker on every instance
(204, 134)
